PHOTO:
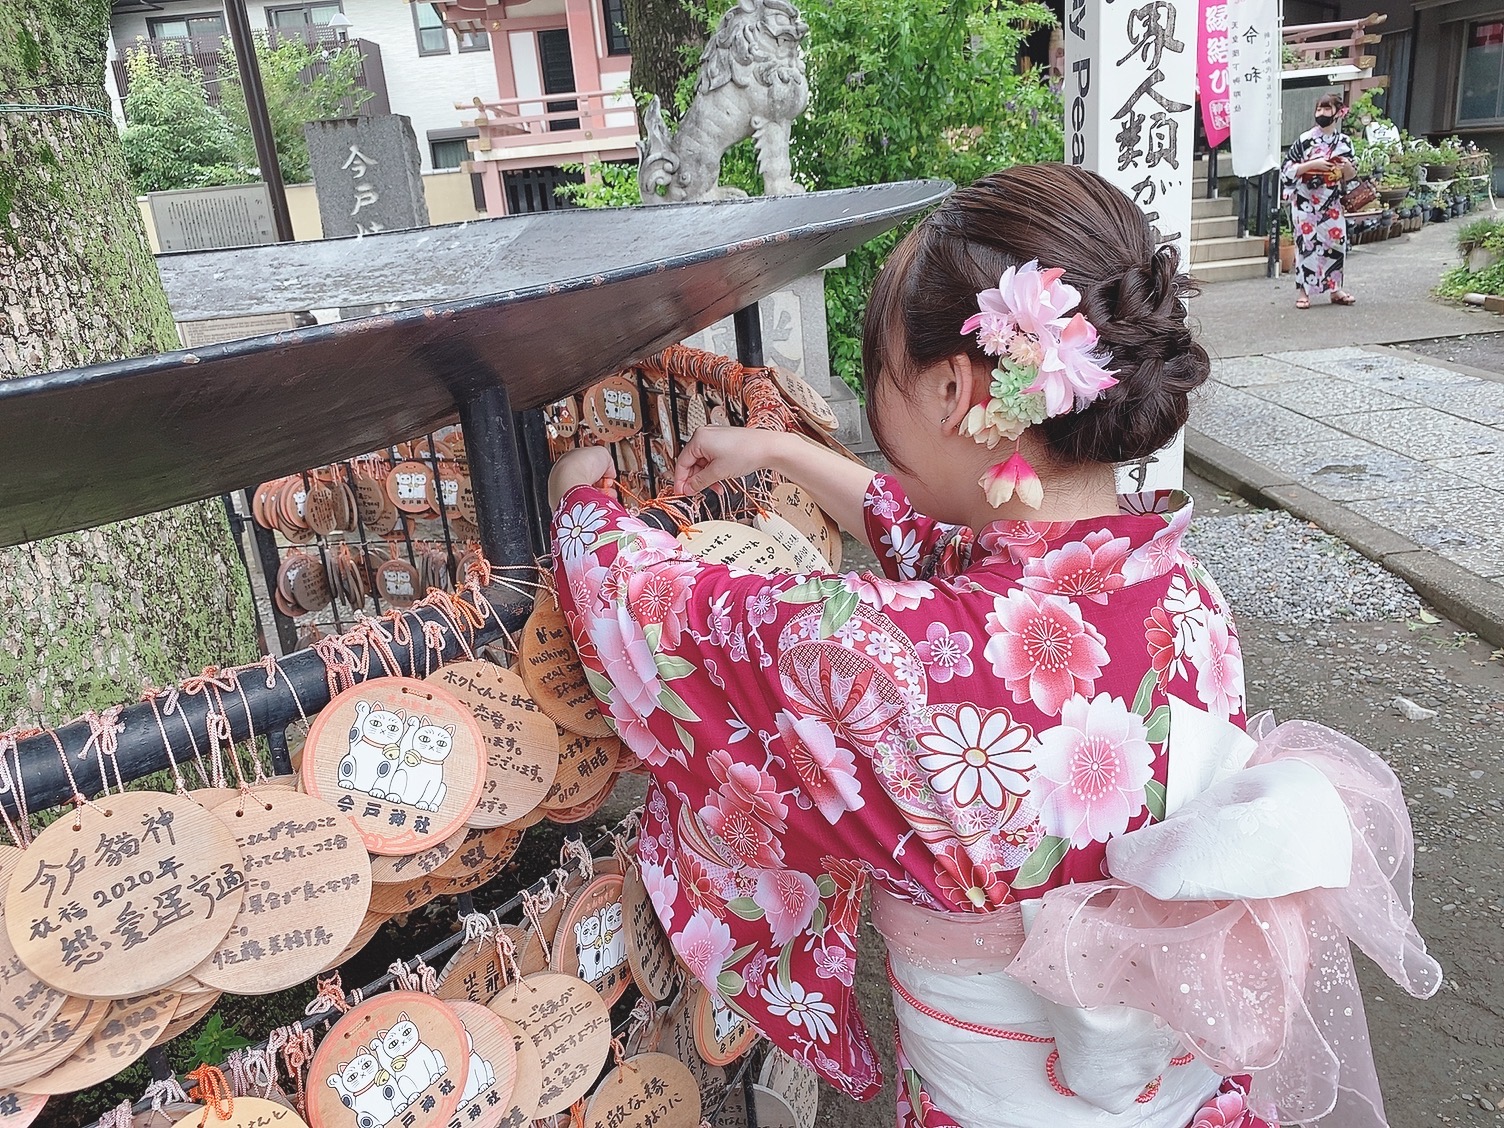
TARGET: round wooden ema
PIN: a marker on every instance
(131, 1027)
(393, 900)
(69, 1029)
(29, 1003)
(522, 743)
(308, 886)
(568, 816)
(807, 558)
(799, 509)
(492, 1075)
(400, 756)
(245, 1112)
(570, 1027)
(797, 1089)
(586, 765)
(190, 1009)
(410, 486)
(678, 1040)
(17, 1110)
(528, 1087)
(473, 974)
(551, 671)
(125, 896)
(368, 929)
(400, 1054)
(646, 1091)
(721, 1032)
(398, 583)
(592, 940)
(649, 954)
(739, 546)
(810, 404)
(733, 1110)
(830, 544)
(480, 859)
(612, 410)
(410, 867)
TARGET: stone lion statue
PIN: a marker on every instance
(751, 85)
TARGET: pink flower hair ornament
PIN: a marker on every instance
(1049, 363)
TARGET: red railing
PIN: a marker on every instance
(1333, 44)
(579, 118)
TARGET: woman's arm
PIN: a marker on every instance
(837, 484)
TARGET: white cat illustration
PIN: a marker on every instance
(481, 1076)
(376, 741)
(613, 938)
(727, 1022)
(587, 946)
(419, 778)
(363, 1091)
(413, 1064)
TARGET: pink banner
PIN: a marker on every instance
(1211, 70)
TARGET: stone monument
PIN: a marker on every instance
(366, 174)
(751, 85)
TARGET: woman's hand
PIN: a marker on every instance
(1320, 166)
(714, 454)
(583, 467)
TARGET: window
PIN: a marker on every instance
(615, 12)
(1479, 89)
(207, 25)
(315, 14)
(449, 152)
(473, 41)
(433, 36)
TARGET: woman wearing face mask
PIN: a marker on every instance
(1317, 163)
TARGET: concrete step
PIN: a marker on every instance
(1226, 270)
(1215, 227)
(1220, 250)
(1209, 209)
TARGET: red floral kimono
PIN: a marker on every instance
(967, 730)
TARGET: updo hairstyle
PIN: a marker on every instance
(1066, 217)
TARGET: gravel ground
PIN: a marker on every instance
(1274, 567)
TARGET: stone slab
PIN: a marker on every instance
(1322, 398)
(1244, 371)
(1350, 469)
(367, 174)
(1422, 431)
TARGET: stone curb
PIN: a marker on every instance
(1468, 600)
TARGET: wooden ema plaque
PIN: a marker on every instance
(721, 1033)
(190, 1009)
(568, 816)
(410, 867)
(612, 410)
(130, 1028)
(551, 671)
(529, 1084)
(487, 1096)
(26, 1003)
(411, 488)
(678, 1040)
(807, 558)
(400, 1058)
(646, 1091)
(796, 507)
(308, 886)
(69, 1029)
(592, 938)
(648, 951)
(400, 756)
(475, 973)
(737, 546)
(569, 1026)
(797, 1089)
(125, 896)
(479, 860)
(586, 765)
(245, 1112)
(17, 1110)
(522, 743)
(393, 900)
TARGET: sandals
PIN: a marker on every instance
(1302, 301)
(1342, 297)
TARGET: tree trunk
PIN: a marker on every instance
(91, 616)
(666, 37)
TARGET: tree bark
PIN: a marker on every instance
(666, 37)
(91, 616)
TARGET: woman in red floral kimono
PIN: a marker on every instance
(1105, 903)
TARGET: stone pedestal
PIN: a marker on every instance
(795, 337)
(367, 174)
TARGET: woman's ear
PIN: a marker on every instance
(963, 382)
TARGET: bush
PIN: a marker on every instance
(174, 138)
(1459, 281)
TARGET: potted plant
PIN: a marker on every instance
(1481, 243)
(1442, 162)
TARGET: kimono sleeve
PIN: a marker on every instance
(908, 544)
(1294, 155)
(758, 813)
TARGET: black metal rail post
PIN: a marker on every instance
(747, 322)
(1212, 186)
(271, 562)
(490, 431)
(1271, 220)
(244, 43)
(534, 429)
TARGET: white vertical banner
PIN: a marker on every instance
(1254, 61)
(1130, 93)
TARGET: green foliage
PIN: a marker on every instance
(174, 138)
(298, 90)
(1481, 234)
(1460, 280)
(608, 184)
(216, 1041)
